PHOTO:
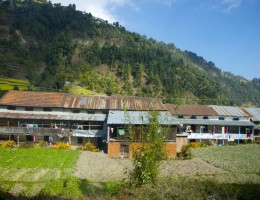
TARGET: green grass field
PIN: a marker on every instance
(34, 171)
(9, 83)
(37, 158)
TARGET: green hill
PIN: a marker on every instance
(50, 45)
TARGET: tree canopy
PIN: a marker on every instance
(50, 44)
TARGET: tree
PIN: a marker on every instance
(147, 158)
(16, 87)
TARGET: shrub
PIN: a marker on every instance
(10, 144)
(232, 143)
(62, 145)
(79, 147)
(40, 144)
(88, 146)
(185, 150)
(26, 145)
(195, 145)
(246, 141)
(147, 158)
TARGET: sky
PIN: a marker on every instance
(226, 32)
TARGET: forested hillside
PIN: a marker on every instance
(57, 47)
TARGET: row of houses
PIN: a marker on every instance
(104, 121)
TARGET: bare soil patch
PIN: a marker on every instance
(96, 166)
(99, 168)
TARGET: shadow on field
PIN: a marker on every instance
(70, 188)
(168, 189)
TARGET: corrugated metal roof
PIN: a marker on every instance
(138, 117)
(198, 110)
(63, 100)
(229, 111)
(254, 113)
(257, 127)
(11, 114)
(215, 122)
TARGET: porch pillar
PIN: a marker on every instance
(200, 134)
(252, 135)
(18, 143)
(108, 136)
(239, 131)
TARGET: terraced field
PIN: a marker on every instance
(10, 83)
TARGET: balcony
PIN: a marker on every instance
(50, 131)
(219, 136)
(31, 131)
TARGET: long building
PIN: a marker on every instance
(104, 121)
(44, 116)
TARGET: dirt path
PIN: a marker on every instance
(98, 167)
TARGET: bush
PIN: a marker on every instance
(26, 145)
(88, 146)
(10, 144)
(232, 143)
(246, 141)
(147, 158)
(79, 147)
(40, 144)
(185, 150)
(62, 145)
(195, 145)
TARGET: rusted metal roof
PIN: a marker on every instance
(63, 100)
(231, 111)
(254, 113)
(11, 114)
(198, 110)
(257, 127)
(22, 98)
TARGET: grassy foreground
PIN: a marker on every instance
(236, 159)
(40, 173)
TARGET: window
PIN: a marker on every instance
(80, 140)
(29, 138)
(180, 116)
(75, 111)
(11, 108)
(236, 119)
(46, 138)
(28, 109)
(47, 109)
(206, 117)
(193, 117)
(221, 118)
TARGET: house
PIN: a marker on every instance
(52, 117)
(254, 114)
(211, 124)
(122, 141)
(45, 116)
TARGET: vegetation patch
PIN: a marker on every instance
(37, 180)
(37, 158)
(191, 188)
(13, 84)
(62, 145)
(241, 158)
